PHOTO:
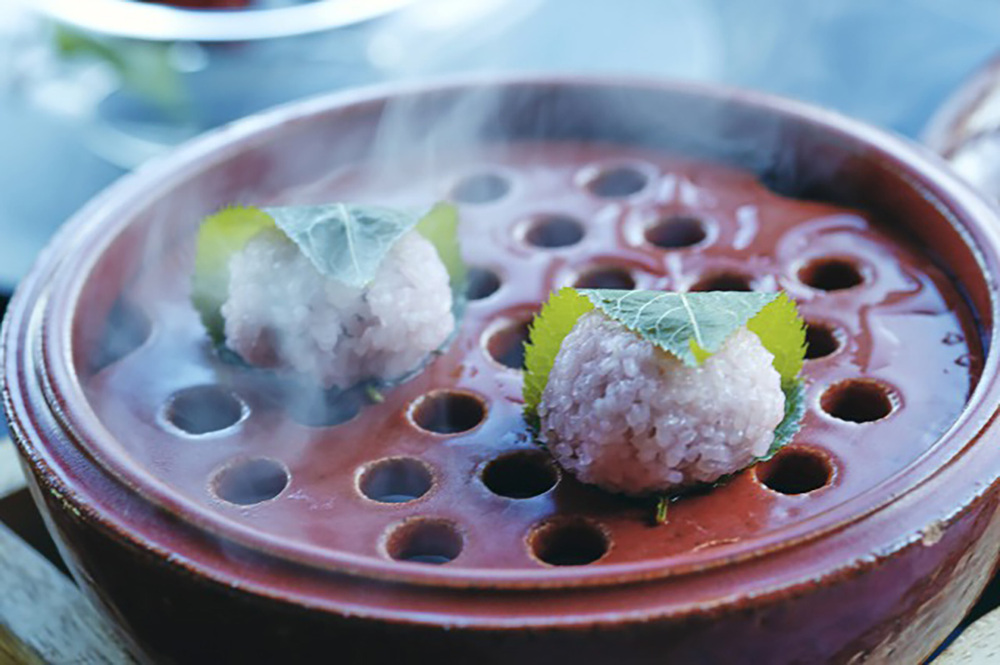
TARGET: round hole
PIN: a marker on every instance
(252, 481)
(521, 475)
(857, 401)
(395, 480)
(832, 274)
(727, 281)
(424, 540)
(821, 340)
(481, 283)
(481, 188)
(506, 344)
(447, 412)
(616, 182)
(554, 231)
(204, 409)
(795, 471)
(125, 330)
(323, 408)
(605, 277)
(573, 542)
(676, 232)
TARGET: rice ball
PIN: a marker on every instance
(621, 413)
(282, 313)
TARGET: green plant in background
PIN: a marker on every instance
(144, 69)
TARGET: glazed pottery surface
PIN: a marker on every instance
(429, 524)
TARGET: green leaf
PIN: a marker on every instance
(440, 227)
(221, 235)
(691, 326)
(545, 337)
(345, 242)
(782, 332)
(143, 68)
(795, 409)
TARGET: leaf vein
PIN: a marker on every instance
(349, 230)
(694, 322)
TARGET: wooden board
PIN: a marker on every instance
(979, 644)
(11, 477)
(44, 619)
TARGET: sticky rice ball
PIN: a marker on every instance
(620, 413)
(282, 313)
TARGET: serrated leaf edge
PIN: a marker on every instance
(537, 365)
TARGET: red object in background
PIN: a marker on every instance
(201, 4)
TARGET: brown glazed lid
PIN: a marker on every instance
(439, 489)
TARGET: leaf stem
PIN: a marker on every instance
(374, 395)
(662, 506)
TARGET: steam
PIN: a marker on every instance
(417, 140)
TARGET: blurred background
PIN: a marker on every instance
(90, 89)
